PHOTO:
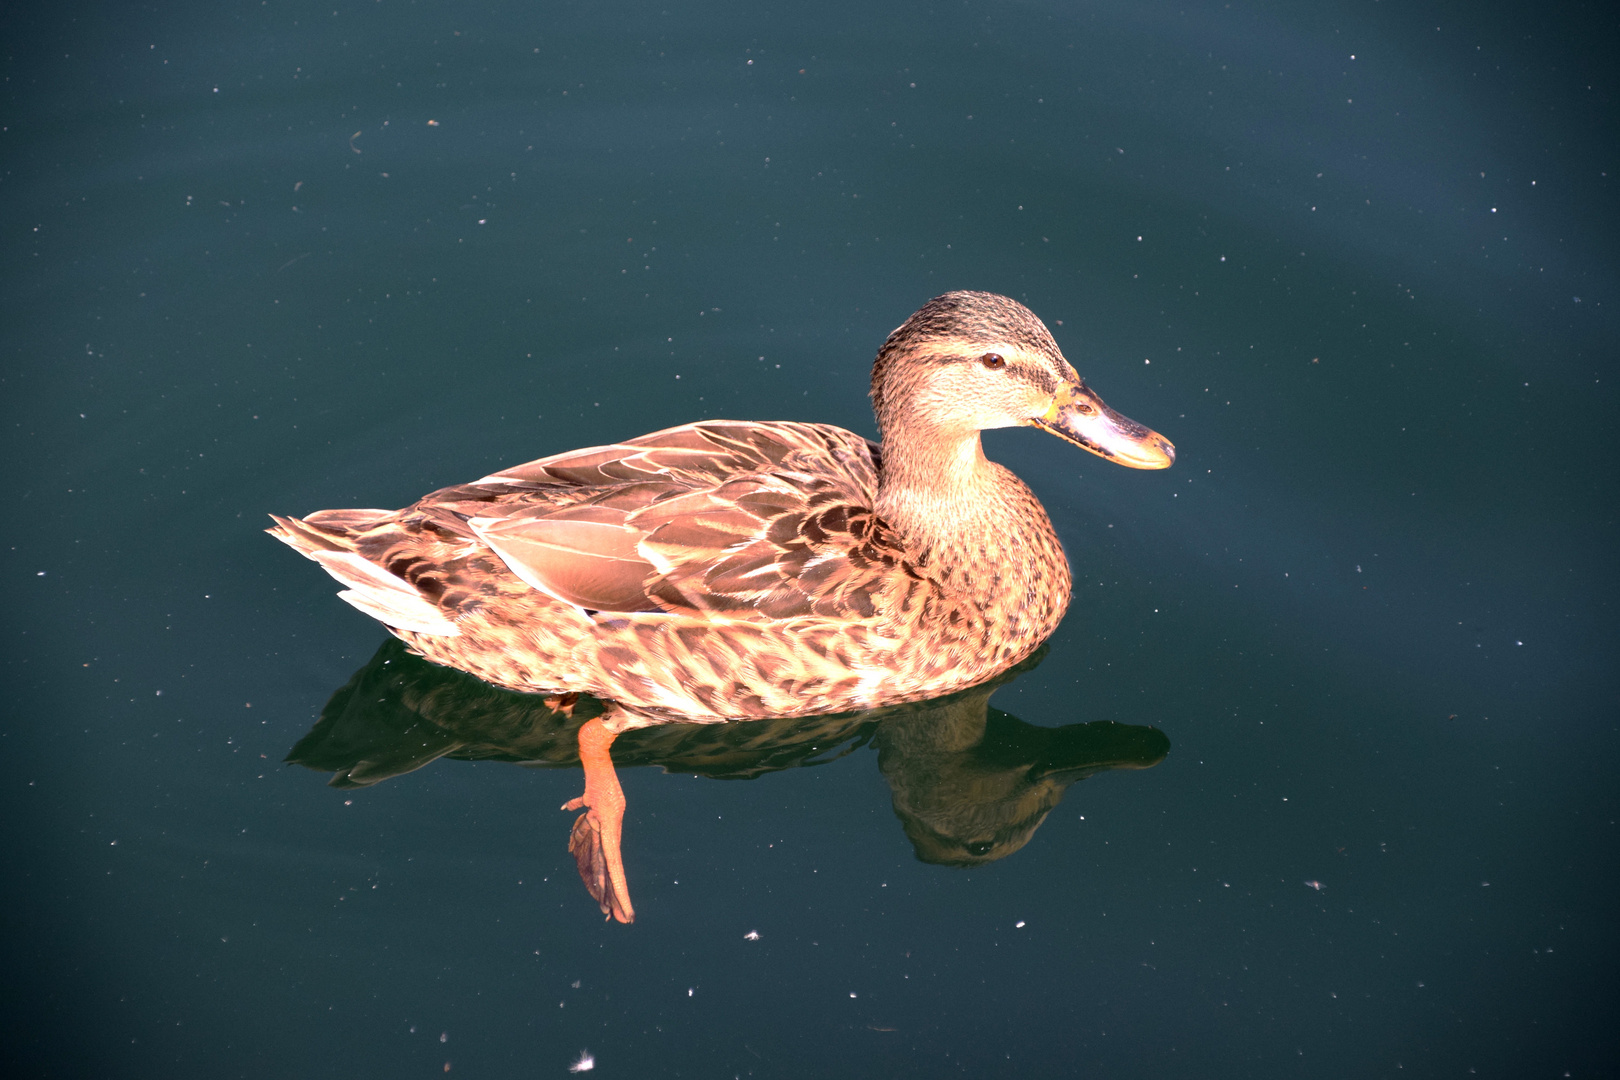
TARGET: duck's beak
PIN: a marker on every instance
(1079, 415)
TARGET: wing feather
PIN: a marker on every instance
(750, 520)
(583, 555)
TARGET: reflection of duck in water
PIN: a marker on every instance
(971, 784)
(741, 570)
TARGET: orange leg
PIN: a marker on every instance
(594, 843)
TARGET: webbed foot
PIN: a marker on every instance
(594, 842)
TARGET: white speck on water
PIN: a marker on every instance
(1019, 925)
(1317, 885)
(752, 935)
(585, 1063)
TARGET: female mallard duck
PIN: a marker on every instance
(730, 570)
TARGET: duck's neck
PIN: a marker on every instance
(974, 528)
(938, 494)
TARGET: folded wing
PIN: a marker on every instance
(750, 521)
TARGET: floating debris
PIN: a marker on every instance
(585, 1063)
(752, 935)
(1317, 885)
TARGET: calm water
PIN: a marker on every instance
(1357, 260)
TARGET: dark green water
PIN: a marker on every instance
(1355, 259)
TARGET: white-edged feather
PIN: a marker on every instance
(480, 528)
(383, 596)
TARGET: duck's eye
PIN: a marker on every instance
(993, 361)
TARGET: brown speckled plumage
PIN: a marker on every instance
(735, 570)
(778, 592)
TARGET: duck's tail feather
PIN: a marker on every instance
(389, 599)
(324, 530)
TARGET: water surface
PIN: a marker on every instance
(1355, 260)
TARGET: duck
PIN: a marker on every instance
(725, 570)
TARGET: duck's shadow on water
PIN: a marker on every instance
(971, 784)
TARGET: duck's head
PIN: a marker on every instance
(969, 361)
